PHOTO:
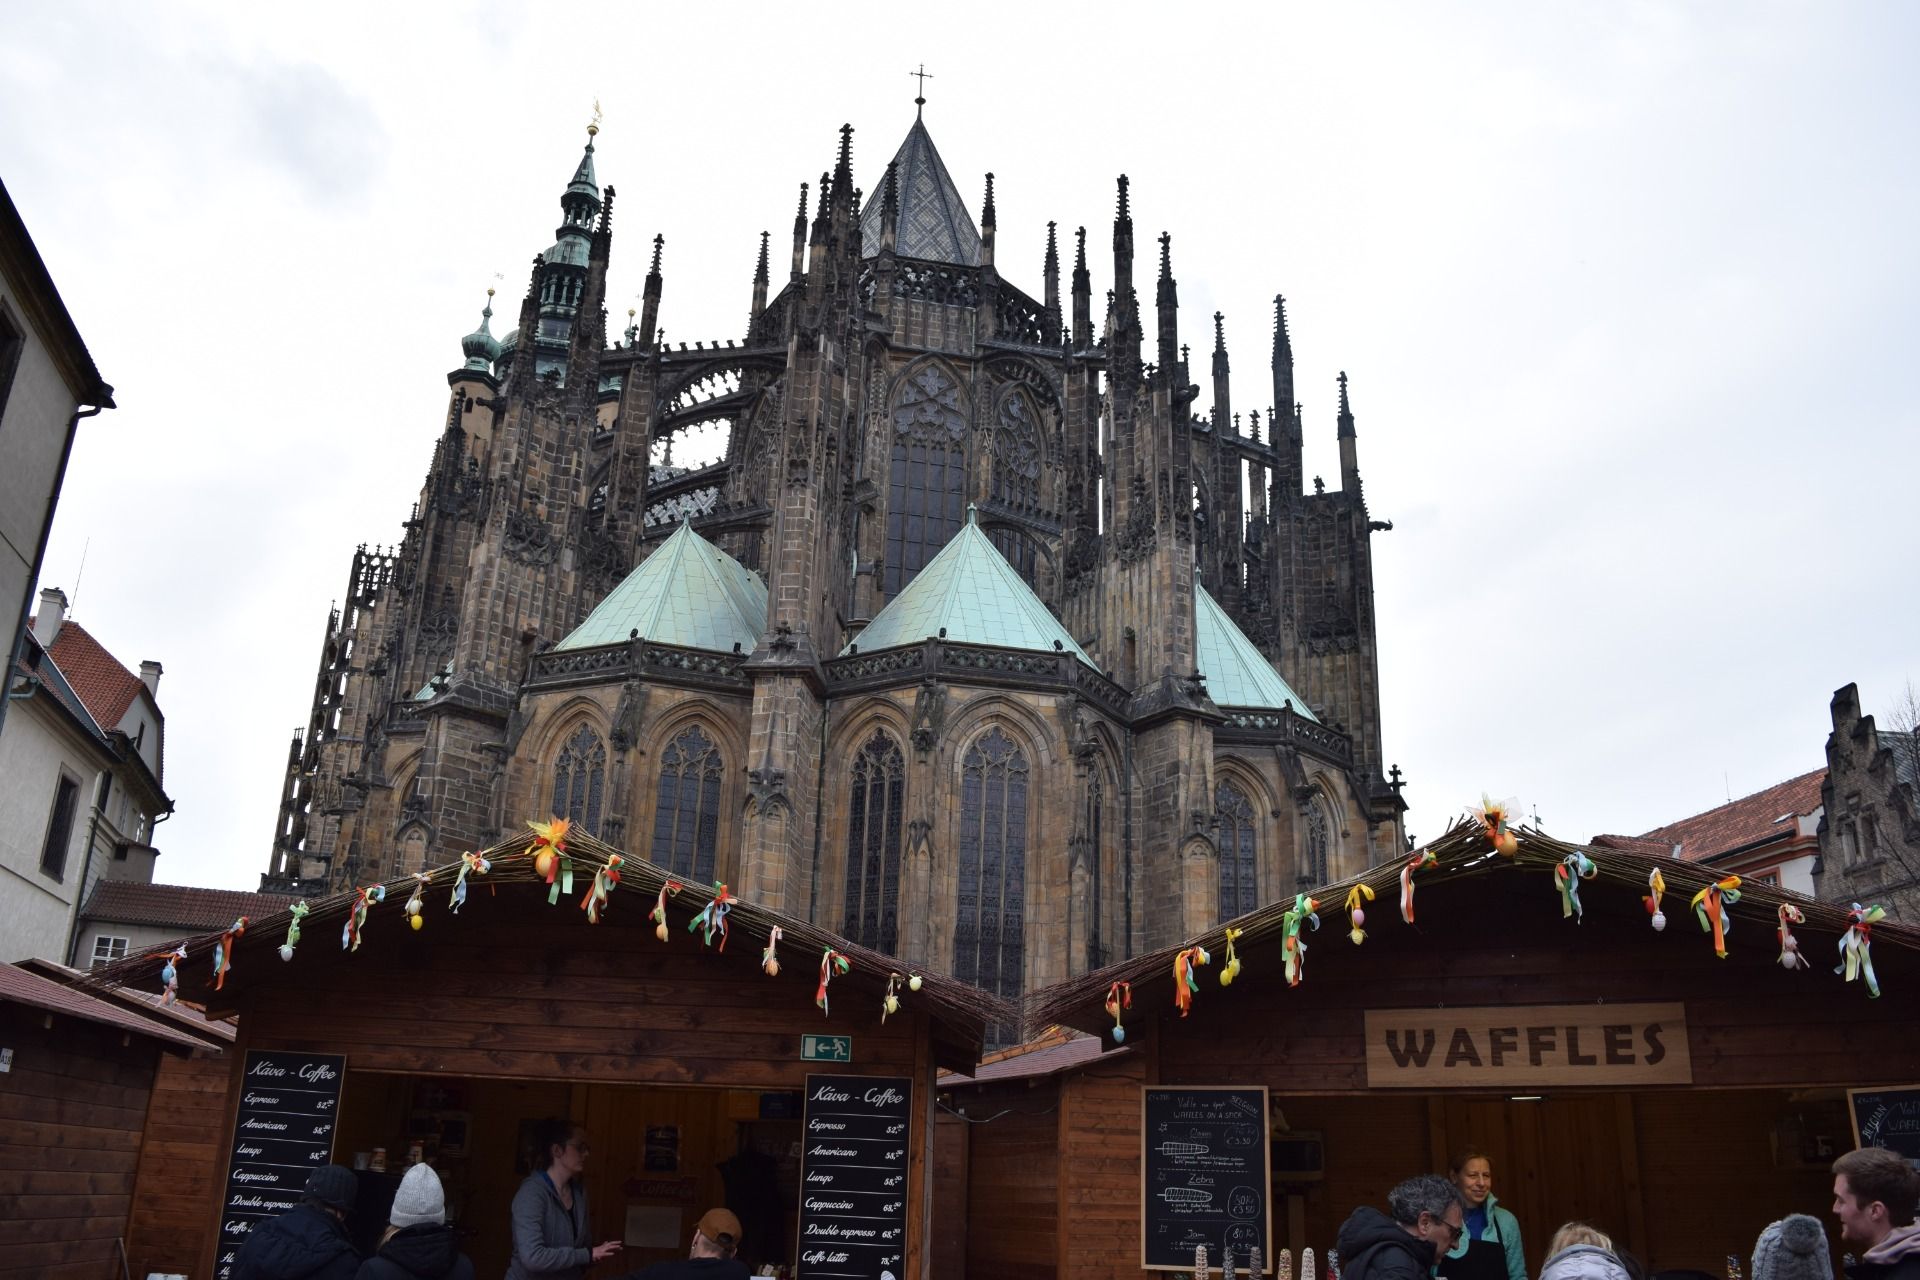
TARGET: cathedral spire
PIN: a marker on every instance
(1222, 397)
(987, 222)
(1349, 446)
(1082, 292)
(843, 169)
(650, 294)
(800, 235)
(481, 347)
(890, 208)
(1124, 317)
(1050, 277)
(760, 280)
(1167, 307)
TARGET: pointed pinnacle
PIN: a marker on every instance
(658, 242)
(890, 189)
(803, 202)
(1346, 409)
(760, 271)
(843, 168)
(1080, 252)
(1124, 214)
(1166, 255)
(986, 209)
(1053, 244)
(1219, 334)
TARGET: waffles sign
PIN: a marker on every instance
(1528, 1046)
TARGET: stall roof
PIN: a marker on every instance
(216, 1032)
(1463, 853)
(961, 1012)
(17, 986)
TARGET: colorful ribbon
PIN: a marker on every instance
(1790, 957)
(659, 913)
(357, 915)
(604, 881)
(769, 959)
(890, 1003)
(550, 859)
(1494, 824)
(831, 963)
(1573, 868)
(1710, 908)
(1185, 983)
(1119, 996)
(223, 951)
(1656, 888)
(1856, 956)
(1357, 916)
(170, 975)
(1303, 910)
(713, 917)
(1416, 862)
(1231, 969)
(469, 863)
(299, 913)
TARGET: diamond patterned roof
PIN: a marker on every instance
(688, 592)
(1237, 673)
(971, 591)
(934, 223)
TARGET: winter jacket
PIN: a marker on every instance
(549, 1243)
(1375, 1247)
(1583, 1262)
(304, 1243)
(1502, 1229)
(1895, 1258)
(424, 1252)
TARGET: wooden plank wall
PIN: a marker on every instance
(183, 1152)
(518, 990)
(71, 1111)
(1099, 1191)
(1013, 1172)
(949, 1232)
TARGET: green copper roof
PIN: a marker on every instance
(970, 590)
(688, 592)
(1237, 675)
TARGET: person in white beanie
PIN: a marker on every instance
(1794, 1248)
(418, 1244)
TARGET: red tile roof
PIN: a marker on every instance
(1749, 820)
(17, 986)
(190, 1018)
(106, 687)
(177, 906)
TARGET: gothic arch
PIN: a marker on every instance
(1323, 849)
(972, 714)
(995, 822)
(929, 425)
(701, 823)
(877, 714)
(575, 774)
(874, 849)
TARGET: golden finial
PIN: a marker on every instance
(594, 126)
(489, 292)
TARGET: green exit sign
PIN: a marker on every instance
(826, 1048)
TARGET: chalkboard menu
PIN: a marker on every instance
(1203, 1176)
(284, 1131)
(1889, 1118)
(856, 1132)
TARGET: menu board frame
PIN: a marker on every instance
(889, 1112)
(1902, 1095)
(301, 1102)
(1259, 1162)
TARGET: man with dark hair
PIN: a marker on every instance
(716, 1237)
(1428, 1217)
(308, 1241)
(1875, 1193)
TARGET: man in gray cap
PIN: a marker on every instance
(308, 1241)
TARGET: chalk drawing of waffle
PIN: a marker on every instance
(1184, 1148)
(1187, 1196)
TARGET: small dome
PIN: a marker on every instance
(480, 346)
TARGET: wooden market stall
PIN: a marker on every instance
(1616, 1072)
(688, 1058)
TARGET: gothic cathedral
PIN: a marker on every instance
(978, 644)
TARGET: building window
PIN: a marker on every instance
(989, 934)
(873, 845)
(686, 814)
(1239, 851)
(53, 854)
(580, 780)
(1017, 458)
(1771, 879)
(927, 482)
(1319, 846)
(1094, 826)
(106, 948)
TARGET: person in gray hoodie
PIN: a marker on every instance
(1874, 1195)
(551, 1225)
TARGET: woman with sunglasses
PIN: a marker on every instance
(1489, 1246)
(551, 1224)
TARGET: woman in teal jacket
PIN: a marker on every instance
(1489, 1247)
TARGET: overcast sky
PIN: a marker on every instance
(1627, 294)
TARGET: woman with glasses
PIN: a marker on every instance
(1488, 1248)
(551, 1224)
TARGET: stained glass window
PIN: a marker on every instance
(927, 482)
(1096, 845)
(1017, 458)
(989, 934)
(873, 845)
(1319, 845)
(580, 780)
(1239, 851)
(686, 813)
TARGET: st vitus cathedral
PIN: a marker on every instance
(981, 644)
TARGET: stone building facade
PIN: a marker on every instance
(1870, 816)
(980, 643)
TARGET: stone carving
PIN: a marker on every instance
(629, 714)
(767, 790)
(527, 539)
(929, 715)
(929, 408)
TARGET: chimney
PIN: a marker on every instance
(52, 616)
(150, 676)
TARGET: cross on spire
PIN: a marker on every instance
(922, 75)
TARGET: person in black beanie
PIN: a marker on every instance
(308, 1241)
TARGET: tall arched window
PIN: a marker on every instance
(873, 845)
(1017, 459)
(927, 486)
(989, 933)
(1239, 851)
(1319, 845)
(686, 813)
(580, 780)
(1094, 826)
